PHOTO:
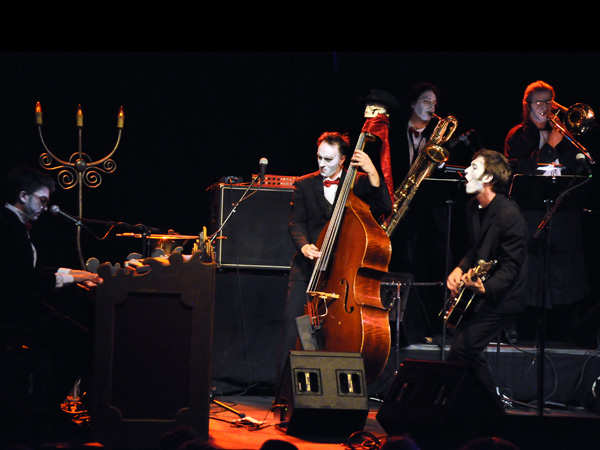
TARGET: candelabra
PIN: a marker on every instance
(79, 169)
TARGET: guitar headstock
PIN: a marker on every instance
(483, 267)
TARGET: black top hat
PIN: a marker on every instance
(382, 97)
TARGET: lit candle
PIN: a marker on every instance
(38, 113)
(120, 118)
(79, 117)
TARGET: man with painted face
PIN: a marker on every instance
(535, 147)
(27, 317)
(410, 138)
(497, 231)
(419, 241)
(313, 202)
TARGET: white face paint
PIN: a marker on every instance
(374, 109)
(425, 105)
(329, 159)
(474, 174)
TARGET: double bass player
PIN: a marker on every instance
(312, 206)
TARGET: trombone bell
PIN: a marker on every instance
(579, 118)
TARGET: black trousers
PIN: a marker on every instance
(473, 337)
(295, 303)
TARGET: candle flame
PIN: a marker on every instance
(79, 117)
(38, 113)
(120, 118)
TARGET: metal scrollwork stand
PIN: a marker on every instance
(79, 169)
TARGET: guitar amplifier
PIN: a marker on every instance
(255, 235)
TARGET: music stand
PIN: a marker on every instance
(545, 193)
(432, 192)
(532, 192)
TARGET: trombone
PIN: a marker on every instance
(579, 118)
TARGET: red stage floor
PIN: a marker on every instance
(248, 421)
(530, 430)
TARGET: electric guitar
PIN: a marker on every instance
(458, 305)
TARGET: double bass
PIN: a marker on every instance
(345, 305)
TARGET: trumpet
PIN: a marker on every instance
(579, 119)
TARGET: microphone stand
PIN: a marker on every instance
(233, 210)
(144, 230)
(449, 203)
(544, 227)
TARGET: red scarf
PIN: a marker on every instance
(379, 126)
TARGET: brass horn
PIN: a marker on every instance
(431, 156)
(578, 120)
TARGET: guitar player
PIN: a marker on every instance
(496, 230)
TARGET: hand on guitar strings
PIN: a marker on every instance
(473, 282)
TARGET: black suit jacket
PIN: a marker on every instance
(501, 235)
(311, 211)
(22, 287)
(399, 149)
(568, 283)
(521, 147)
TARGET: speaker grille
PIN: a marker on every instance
(256, 234)
(322, 394)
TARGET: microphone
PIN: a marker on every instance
(55, 210)
(263, 168)
(464, 138)
(583, 165)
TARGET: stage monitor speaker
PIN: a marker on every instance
(256, 235)
(322, 394)
(434, 393)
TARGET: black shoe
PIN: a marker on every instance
(511, 335)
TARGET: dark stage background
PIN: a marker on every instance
(194, 117)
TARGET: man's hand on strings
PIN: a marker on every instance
(310, 251)
(473, 282)
(362, 160)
